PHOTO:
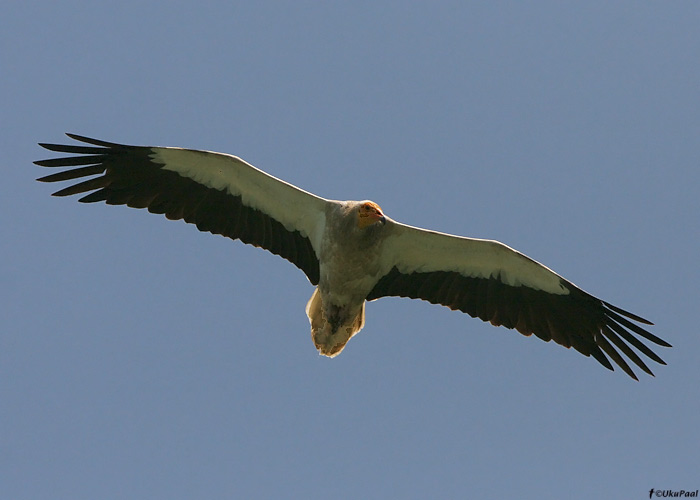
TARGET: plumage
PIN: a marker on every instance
(351, 250)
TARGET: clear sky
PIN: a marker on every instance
(140, 358)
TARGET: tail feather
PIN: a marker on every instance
(330, 337)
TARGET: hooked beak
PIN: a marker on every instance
(377, 217)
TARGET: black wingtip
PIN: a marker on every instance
(628, 314)
(89, 140)
(77, 137)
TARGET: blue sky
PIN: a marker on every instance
(140, 358)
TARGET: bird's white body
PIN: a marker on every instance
(350, 267)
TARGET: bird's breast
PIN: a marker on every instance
(348, 276)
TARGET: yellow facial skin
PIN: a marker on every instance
(368, 214)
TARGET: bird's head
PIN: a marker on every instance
(369, 213)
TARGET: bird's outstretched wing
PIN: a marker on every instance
(491, 281)
(219, 193)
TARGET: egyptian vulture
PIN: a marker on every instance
(350, 250)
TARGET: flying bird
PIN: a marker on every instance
(350, 250)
